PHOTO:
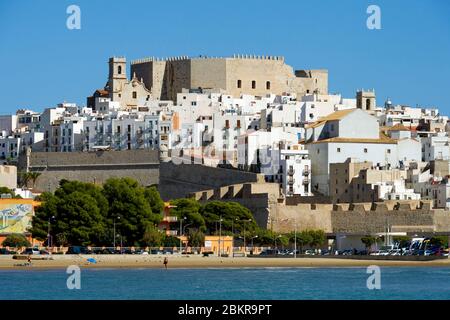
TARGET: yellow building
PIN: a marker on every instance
(212, 244)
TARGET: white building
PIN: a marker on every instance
(435, 147)
(345, 134)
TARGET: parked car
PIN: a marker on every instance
(78, 250)
(310, 252)
(6, 251)
(269, 252)
(31, 251)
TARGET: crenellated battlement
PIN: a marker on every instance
(184, 58)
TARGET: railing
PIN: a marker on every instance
(305, 181)
(306, 172)
(290, 172)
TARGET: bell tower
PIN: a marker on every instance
(366, 100)
(117, 76)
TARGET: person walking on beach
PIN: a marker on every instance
(166, 261)
(29, 259)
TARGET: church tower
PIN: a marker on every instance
(366, 100)
(117, 76)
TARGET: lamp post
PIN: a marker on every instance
(181, 232)
(220, 235)
(119, 235)
(252, 242)
(114, 227)
(184, 231)
(49, 237)
(245, 251)
(275, 241)
(232, 234)
(295, 238)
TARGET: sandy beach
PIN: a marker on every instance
(192, 261)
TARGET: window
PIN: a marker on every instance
(129, 128)
(227, 123)
(119, 69)
(134, 94)
(388, 150)
(307, 91)
(365, 150)
(239, 84)
(238, 123)
(338, 149)
(253, 84)
(268, 85)
(193, 103)
(318, 151)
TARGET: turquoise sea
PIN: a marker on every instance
(251, 283)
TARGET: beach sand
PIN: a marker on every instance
(194, 261)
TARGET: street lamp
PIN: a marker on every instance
(181, 232)
(245, 251)
(275, 240)
(49, 237)
(121, 252)
(252, 242)
(232, 234)
(184, 231)
(114, 226)
(220, 235)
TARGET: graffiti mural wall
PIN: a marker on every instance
(16, 215)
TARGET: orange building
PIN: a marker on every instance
(169, 222)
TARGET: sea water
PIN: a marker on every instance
(239, 283)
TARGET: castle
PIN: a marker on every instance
(250, 74)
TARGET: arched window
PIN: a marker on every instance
(119, 69)
(367, 104)
(239, 84)
(253, 84)
(268, 85)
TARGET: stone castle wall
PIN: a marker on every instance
(166, 77)
(94, 167)
(179, 180)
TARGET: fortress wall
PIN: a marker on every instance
(167, 77)
(93, 167)
(208, 73)
(177, 181)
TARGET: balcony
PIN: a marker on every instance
(306, 181)
(173, 233)
(290, 181)
(170, 219)
(306, 172)
(291, 172)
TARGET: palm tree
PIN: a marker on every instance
(24, 179)
(34, 176)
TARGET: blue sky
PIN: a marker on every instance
(44, 63)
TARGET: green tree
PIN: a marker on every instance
(16, 240)
(76, 210)
(5, 190)
(24, 178)
(127, 200)
(317, 238)
(196, 238)
(33, 176)
(154, 199)
(189, 208)
(170, 241)
(153, 237)
(368, 241)
(234, 216)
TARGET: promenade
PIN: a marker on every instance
(197, 261)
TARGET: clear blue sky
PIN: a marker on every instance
(44, 63)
